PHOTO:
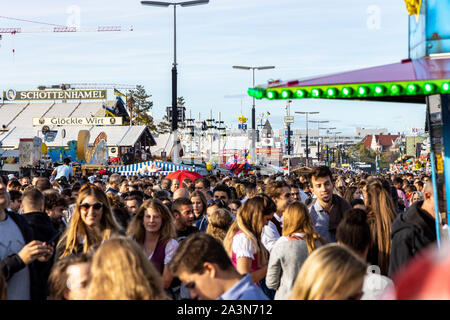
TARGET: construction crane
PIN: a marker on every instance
(66, 86)
(14, 31)
(58, 28)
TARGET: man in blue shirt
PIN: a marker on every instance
(63, 170)
(204, 267)
(326, 209)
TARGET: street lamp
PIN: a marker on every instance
(174, 68)
(335, 133)
(318, 135)
(307, 138)
(327, 144)
(253, 151)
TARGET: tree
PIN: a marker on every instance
(164, 126)
(358, 152)
(141, 108)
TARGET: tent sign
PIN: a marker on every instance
(84, 121)
(13, 95)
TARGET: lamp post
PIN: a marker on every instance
(252, 149)
(318, 135)
(328, 141)
(335, 133)
(307, 138)
(174, 68)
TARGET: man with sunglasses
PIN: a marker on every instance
(223, 192)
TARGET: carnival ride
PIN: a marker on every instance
(424, 77)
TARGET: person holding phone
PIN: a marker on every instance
(18, 257)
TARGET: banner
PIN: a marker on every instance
(13, 95)
(84, 121)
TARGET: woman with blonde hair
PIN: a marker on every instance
(298, 240)
(332, 272)
(92, 222)
(153, 229)
(380, 215)
(120, 271)
(243, 240)
(219, 221)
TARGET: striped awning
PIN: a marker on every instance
(164, 165)
(144, 174)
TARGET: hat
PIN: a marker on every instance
(11, 176)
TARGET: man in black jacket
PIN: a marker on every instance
(32, 206)
(18, 251)
(412, 231)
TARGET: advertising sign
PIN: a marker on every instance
(83, 121)
(13, 95)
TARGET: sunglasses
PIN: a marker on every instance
(96, 206)
(218, 202)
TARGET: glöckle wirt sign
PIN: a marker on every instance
(82, 121)
(13, 95)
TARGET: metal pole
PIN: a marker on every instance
(174, 91)
(318, 142)
(307, 141)
(253, 151)
(220, 138)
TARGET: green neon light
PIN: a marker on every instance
(271, 95)
(429, 88)
(363, 91)
(412, 88)
(332, 93)
(316, 93)
(300, 93)
(352, 90)
(380, 90)
(396, 89)
(286, 94)
(347, 92)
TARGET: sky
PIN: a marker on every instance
(300, 38)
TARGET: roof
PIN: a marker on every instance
(116, 135)
(385, 140)
(267, 126)
(406, 81)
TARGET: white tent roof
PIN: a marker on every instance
(116, 135)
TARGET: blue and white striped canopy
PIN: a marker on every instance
(165, 166)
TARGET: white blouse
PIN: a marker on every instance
(242, 246)
(171, 247)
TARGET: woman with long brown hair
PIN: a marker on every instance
(243, 240)
(120, 271)
(199, 205)
(380, 215)
(153, 229)
(298, 240)
(92, 222)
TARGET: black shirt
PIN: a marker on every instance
(183, 234)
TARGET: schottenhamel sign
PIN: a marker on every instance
(13, 95)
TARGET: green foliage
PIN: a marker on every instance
(164, 126)
(142, 107)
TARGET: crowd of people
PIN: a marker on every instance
(315, 234)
